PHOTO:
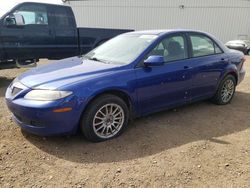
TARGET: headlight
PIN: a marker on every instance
(46, 95)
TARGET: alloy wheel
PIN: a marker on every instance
(108, 120)
(227, 90)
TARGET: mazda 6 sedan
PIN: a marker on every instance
(129, 76)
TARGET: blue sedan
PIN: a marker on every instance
(131, 75)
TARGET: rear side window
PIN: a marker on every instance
(203, 46)
(33, 14)
(62, 17)
(217, 49)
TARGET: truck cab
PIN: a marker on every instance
(30, 31)
(35, 30)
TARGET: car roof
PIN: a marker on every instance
(163, 32)
(237, 41)
(49, 2)
(173, 31)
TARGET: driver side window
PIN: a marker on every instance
(171, 48)
(33, 14)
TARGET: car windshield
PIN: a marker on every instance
(122, 49)
(247, 42)
(236, 42)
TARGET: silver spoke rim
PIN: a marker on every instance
(227, 91)
(108, 120)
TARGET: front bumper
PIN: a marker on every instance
(37, 117)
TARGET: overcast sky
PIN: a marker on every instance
(6, 5)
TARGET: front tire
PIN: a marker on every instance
(105, 118)
(226, 91)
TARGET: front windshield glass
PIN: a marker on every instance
(247, 42)
(122, 49)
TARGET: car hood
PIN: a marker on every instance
(64, 72)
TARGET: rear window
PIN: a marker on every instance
(62, 17)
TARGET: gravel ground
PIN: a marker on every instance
(199, 145)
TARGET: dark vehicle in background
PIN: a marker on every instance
(31, 31)
(241, 45)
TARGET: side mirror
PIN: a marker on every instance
(14, 20)
(154, 60)
(10, 21)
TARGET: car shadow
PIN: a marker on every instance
(4, 83)
(155, 133)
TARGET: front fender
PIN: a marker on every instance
(122, 81)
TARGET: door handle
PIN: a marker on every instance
(50, 32)
(187, 67)
(224, 59)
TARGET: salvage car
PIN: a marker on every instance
(131, 75)
(241, 45)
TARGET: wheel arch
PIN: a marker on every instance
(234, 74)
(230, 70)
(117, 92)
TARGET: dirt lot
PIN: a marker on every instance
(200, 145)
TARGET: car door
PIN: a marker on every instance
(208, 61)
(31, 40)
(66, 36)
(164, 86)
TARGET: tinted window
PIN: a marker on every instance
(62, 17)
(172, 49)
(33, 14)
(203, 46)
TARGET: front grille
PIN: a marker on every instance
(15, 90)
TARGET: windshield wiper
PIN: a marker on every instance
(99, 60)
(95, 59)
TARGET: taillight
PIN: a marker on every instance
(242, 62)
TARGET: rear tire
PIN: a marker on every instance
(28, 63)
(226, 91)
(105, 118)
